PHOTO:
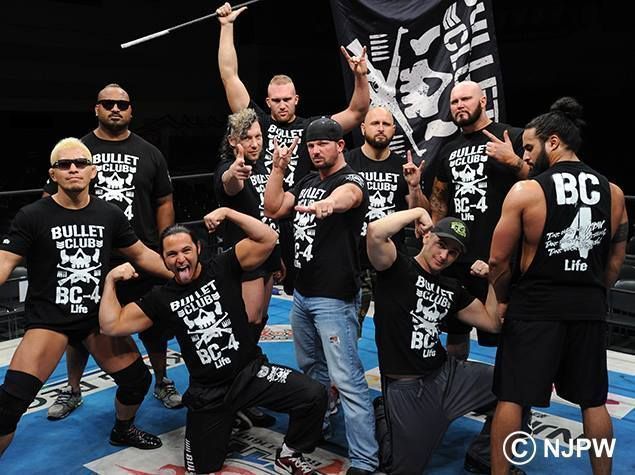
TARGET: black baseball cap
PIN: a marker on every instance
(323, 128)
(453, 228)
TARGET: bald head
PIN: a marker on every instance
(378, 127)
(467, 106)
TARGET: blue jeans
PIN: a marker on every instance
(325, 340)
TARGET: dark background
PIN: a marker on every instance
(56, 55)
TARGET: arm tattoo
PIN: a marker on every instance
(439, 199)
(621, 234)
(517, 166)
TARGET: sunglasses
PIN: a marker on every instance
(108, 104)
(80, 163)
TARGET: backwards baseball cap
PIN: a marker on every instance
(323, 128)
(453, 228)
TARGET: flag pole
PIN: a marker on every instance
(182, 25)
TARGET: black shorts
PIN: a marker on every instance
(271, 265)
(534, 355)
(76, 332)
(132, 290)
(287, 252)
(477, 286)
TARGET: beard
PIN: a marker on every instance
(115, 127)
(378, 144)
(541, 165)
(472, 118)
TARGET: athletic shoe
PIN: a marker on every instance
(241, 422)
(65, 403)
(327, 429)
(167, 393)
(296, 464)
(135, 437)
(258, 418)
(474, 465)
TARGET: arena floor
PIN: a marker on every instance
(79, 444)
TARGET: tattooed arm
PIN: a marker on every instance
(439, 200)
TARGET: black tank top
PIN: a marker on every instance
(565, 280)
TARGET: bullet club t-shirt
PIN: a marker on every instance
(68, 252)
(249, 200)
(326, 252)
(409, 306)
(387, 191)
(209, 320)
(131, 174)
(477, 184)
(285, 133)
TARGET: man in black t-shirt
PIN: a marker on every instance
(474, 172)
(67, 240)
(569, 226)
(281, 123)
(424, 389)
(203, 305)
(329, 206)
(394, 184)
(239, 183)
(133, 175)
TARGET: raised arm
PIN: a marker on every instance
(278, 203)
(8, 262)
(503, 152)
(381, 249)
(252, 251)
(146, 259)
(439, 200)
(113, 319)
(619, 235)
(412, 175)
(235, 90)
(357, 108)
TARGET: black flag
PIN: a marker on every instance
(417, 50)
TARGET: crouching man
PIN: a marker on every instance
(203, 305)
(424, 389)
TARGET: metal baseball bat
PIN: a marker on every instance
(182, 25)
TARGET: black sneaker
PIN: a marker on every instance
(258, 418)
(474, 465)
(296, 464)
(135, 437)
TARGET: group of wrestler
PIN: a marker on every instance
(516, 237)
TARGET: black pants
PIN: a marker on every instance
(211, 412)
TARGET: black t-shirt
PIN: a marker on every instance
(409, 306)
(131, 174)
(300, 163)
(327, 250)
(209, 320)
(477, 184)
(565, 280)
(68, 252)
(249, 200)
(387, 191)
